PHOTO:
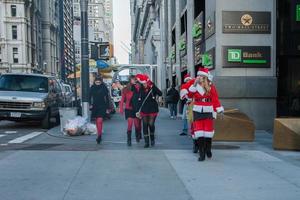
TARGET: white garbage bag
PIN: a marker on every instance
(76, 126)
(91, 129)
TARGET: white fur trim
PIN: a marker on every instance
(220, 109)
(203, 109)
(187, 79)
(183, 92)
(200, 89)
(201, 73)
(214, 115)
(206, 134)
(193, 89)
(210, 77)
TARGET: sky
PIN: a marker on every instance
(122, 29)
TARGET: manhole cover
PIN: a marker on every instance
(224, 147)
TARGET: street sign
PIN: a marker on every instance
(246, 56)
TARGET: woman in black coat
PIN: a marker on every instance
(99, 101)
(149, 110)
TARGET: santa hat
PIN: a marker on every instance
(187, 78)
(203, 72)
(142, 78)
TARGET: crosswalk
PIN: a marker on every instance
(14, 137)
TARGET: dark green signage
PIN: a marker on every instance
(246, 56)
(298, 12)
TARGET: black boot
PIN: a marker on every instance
(195, 146)
(146, 137)
(137, 137)
(208, 142)
(99, 139)
(129, 138)
(152, 137)
(201, 144)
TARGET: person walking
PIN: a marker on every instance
(99, 104)
(186, 100)
(206, 105)
(172, 100)
(130, 110)
(149, 108)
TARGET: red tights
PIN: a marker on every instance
(99, 125)
(136, 122)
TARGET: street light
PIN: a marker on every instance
(85, 82)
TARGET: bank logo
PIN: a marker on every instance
(234, 55)
(246, 20)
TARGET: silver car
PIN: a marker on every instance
(30, 97)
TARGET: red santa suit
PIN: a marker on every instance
(205, 107)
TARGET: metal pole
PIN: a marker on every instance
(85, 82)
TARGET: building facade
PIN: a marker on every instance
(100, 24)
(147, 35)
(20, 36)
(50, 36)
(67, 55)
(235, 39)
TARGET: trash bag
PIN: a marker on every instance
(76, 126)
(91, 129)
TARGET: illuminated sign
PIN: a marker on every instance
(246, 56)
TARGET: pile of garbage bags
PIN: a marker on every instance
(79, 126)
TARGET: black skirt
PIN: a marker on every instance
(130, 114)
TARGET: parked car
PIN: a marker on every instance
(68, 95)
(30, 97)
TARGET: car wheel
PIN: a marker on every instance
(46, 123)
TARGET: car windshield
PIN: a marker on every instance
(24, 83)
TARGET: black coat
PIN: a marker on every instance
(172, 96)
(136, 100)
(99, 99)
(151, 105)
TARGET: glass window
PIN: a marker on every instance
(15, 55)
(24, 83)
(13, 9)
(14, 31)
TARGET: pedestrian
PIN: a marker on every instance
(149, 108)
(130, 110)
(99, 101)
(184, 96)
(172, 101)
(206, 105)
(116, 90)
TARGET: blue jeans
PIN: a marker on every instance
(184, 118)
(173, 109)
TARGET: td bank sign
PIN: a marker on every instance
(246, 56)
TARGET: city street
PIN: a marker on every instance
(35, 165)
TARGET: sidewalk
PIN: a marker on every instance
(169, 171)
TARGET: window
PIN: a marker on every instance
(15, 55)
(14, 31)
(183, 23)
(13, 9)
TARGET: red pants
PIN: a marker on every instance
(99, 125)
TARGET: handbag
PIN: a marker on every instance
(138, 114)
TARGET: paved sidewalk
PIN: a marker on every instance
(170, 171)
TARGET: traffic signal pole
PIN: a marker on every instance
(85, 82)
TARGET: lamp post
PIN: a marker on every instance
(85, 83)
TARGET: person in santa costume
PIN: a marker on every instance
(205, 109)
(184, 96)
(149, 108)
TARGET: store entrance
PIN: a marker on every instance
(288, 59)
